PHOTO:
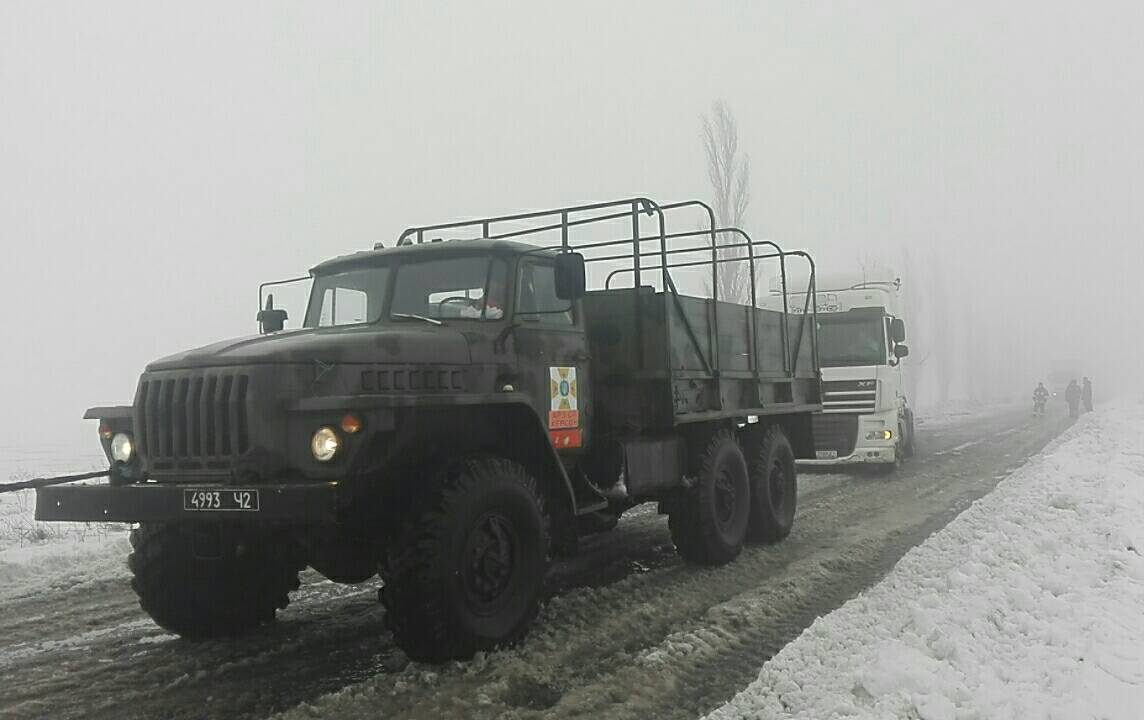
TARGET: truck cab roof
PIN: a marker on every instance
(438, 248)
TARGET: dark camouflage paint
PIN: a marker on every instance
(390, 372)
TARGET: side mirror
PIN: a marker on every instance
(269, 319)
(570, 280)
(901, 351)
(898, 330)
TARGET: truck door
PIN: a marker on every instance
(552, 353)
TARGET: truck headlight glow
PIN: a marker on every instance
(880, 435)
(122, 448)
(324, 444)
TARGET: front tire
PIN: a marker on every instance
(709, 522)
(909, 439)
(466, 571)
(201, 598)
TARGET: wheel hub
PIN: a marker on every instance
(777, 482)
(725, 497)
(489, 560)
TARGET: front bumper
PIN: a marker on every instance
(296, 504)
(873, 455)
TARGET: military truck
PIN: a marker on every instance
(451, 415)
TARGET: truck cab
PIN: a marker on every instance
(866, 417)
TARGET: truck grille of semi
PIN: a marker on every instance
(836, 432)
(849, 396)
(192, 420)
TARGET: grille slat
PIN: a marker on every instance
(194, 428)
(192, 419)
(140, 419)
(222, 413)
(153, 417)
(849, 396)
(242, 437)
(208, 416)
(179, 417)
(164, 412)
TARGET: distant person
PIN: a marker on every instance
(1072, 396)
(1040, 397)
(1086, 395)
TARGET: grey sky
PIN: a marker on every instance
(156, 163)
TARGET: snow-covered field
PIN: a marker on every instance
(1029, 605)
(36, 556)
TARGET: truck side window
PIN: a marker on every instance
(536, 299)
(347, 298)
(342, 306)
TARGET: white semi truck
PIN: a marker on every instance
(866, 417)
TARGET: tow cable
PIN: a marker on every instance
(44, 482)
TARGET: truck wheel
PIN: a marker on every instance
(774, 488)
(909, 444)
(201, 598)
(709, 523)
(467, 568)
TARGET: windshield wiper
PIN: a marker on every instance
(411, 316)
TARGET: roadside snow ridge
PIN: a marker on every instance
(1028, 605)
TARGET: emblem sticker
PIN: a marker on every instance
(563, 411)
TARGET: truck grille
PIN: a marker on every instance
(850, 396)
(836, 432)
(192, 419)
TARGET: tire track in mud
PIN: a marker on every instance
(678, 641)
(628, 630)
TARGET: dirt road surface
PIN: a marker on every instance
(628, 630)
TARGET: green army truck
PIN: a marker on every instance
(454, 412)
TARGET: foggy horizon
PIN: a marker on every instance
(156, 165)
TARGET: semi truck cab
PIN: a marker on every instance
(866, 417)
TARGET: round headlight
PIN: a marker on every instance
(324, 445)
(122, 448)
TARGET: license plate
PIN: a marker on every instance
(826, 454)
(220, 500)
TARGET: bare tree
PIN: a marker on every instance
(943, 335)
(729, 172)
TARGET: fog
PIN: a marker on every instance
(157, 163)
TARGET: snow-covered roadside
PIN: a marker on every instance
(1028, 605)
(37, 556)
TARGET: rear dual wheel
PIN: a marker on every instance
(774, 488)
(709, 521)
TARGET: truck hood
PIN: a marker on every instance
(359, 344)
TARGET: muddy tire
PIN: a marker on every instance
(774, 488)
(709, 521)
(466, 570)
(203, 598)
(909, 439)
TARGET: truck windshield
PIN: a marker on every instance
(347, 298)
(462, 288)
(851, 338)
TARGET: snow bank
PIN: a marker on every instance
(1029, 605)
